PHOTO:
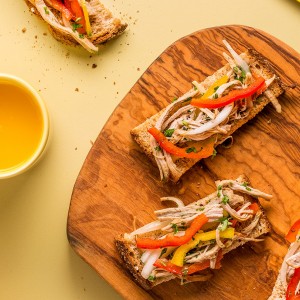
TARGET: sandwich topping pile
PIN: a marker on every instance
(287, 286)
(189, 128)
(186, 241)
(84, 22)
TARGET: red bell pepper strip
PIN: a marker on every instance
(291, 289)
(258, 85)
(171, 240)
(291, 236)
(255, 207)
(187, 270)
(169, 147)
(58, 5)
(77, 11)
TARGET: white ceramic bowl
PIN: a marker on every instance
(39, 151)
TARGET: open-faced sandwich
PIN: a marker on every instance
(189, 128)
(73, 22)
(287, 286)
(186, 242)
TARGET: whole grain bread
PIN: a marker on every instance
(259, 65)
(131, 255)
(104, 25)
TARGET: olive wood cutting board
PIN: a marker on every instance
(118, 185)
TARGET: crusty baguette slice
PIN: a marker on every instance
(131, 255)
(142, 137)
(104, 25)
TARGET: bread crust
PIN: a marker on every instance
(131, 255)
(104, 25)
(142, 137)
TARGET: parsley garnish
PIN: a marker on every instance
(46, 10)
(151, 278)
(245, 184)
(75, 25)
(214, 154)
(215, 88)
(163, 252)
(169, 132)
(215, 96)
(191, 149)
(157, 148)
(219, 188)
(225, 199)
(175, 228)
(174, 99)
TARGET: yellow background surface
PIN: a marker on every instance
(36, 261)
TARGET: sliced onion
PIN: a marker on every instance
(156, 225)
(239, 61)
(173, 199)
(283, 271)
(222, 116)
(148, 267)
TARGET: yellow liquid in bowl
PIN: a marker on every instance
(21, 126)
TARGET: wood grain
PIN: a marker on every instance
(117, 182)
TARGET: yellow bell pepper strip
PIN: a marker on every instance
(293, 232)
(180, 253)
(188, 152)
(171, 239)
(189, 269)
(212, 88)
(258, 86)
(88, 27)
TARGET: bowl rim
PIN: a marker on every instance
(37, 154)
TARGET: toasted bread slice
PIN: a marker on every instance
(131, 254)
(258, 66)
(103, 24)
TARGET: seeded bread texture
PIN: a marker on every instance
(131, 255)
(142, 137)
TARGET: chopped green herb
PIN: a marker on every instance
(224, 224)
(191, 149)
(81, 35)
(163, 252)
(185, 123)
(174, 99)
(214, 154)
(225, 199)
(169, 132)
(215, 88)
(219, 188)
(245, 184)
(151, 278)
(200, 208)
(215, 96)
(46, 10)
(236, 69)
(175, 228)
(157, 148)
(75, 26)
